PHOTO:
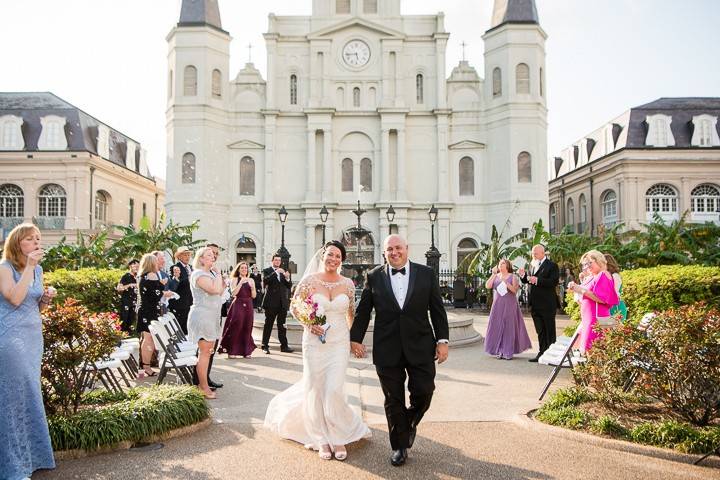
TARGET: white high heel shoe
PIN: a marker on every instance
(340, 454)
(325, 453)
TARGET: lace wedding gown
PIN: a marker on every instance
(315, 411)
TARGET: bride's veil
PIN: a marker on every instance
(315, 265)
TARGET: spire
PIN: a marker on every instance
(514, 11)
(200, 12)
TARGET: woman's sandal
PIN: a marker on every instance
(209, 396)
(325, 454)
(340, 454)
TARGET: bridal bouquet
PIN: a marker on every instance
(308, 312)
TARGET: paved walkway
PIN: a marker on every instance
(470, 432)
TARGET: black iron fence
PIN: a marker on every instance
(461, 290)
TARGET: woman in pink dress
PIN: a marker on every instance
(598, 296)
(237, 338)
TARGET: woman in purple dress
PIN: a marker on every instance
(237, 338)
(506, 333)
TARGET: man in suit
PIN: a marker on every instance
(181, 307)
(405, 345)
(276, 303)
(542, 299)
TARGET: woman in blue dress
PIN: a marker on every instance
(24, 437)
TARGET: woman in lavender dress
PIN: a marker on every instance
(506, 333)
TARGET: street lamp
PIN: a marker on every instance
(282, 251)
(433, 254)
(323, 218)
(390, 217)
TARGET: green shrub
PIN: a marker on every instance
(608, 425)
(569, 397)
(660, 288)
(568, 417)
(94, 288)
(678, 436)
(146, 412)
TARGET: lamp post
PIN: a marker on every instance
(282, 251)
(433, 254)
(323, 218)
(390, 217)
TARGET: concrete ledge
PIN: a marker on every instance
(178, 432)
(526, 420)
(462, 331)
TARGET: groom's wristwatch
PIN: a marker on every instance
(443, 340)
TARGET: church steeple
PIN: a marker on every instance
(200, 12)
(514, 11)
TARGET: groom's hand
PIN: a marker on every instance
(357, 349)
(441, 352)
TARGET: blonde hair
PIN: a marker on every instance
(198, 256)
(148, 263)
(596, 256)
(236, 270)
(12, 252)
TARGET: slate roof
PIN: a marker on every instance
(200, 12)
(514, 11)
(682, 111)
(81, 129)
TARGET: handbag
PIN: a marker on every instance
(604, 322)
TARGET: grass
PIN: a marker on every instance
(109, 419)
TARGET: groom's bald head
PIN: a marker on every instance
(396, 250)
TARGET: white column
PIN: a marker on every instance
(269, 156)
(328, 170)
(401, 179)
(311, 170)
(271, 57)
(386, 80)
(399, 100)
(440, 73)
(385, 166)
(443, 185)
(309, 240)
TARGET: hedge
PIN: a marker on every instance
(660, 288)
(94, 288)
(134, 417)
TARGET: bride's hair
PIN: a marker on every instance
(339, 246)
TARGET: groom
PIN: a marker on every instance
(404, 344)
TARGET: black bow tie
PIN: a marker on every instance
(393, 271)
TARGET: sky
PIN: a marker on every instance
(109, 57)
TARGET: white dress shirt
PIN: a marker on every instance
(400, 283)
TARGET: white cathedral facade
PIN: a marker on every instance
(357, 105)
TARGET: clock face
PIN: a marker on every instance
(356, 53)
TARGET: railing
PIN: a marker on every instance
(50, 223)
(8, 223)
(461, 290)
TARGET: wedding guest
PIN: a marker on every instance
(276, 303)
(619, 311)
(151, 292)
(598, 295)
(216, 253)
(206, 285)
(506, 333)
(24, 437)
(127, 286)
(237, 337)
(164, 280)
(542, 298)
(257, 277)
(181, 306)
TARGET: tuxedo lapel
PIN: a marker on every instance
(388, 286)
(411, 283)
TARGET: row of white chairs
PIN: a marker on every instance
(175, 353)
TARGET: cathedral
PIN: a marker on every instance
(356, 105)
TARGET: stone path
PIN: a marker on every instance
(470, 432)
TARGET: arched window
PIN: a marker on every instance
(188, 168)
(340, 98)
(466, 174)
(293, 90)
(497, 82)
(366, 174)
(370, 6)
(522, 78)
(542, 82)
(524, 166)
(372, 97)
(12, 201)
(466, 247)
(190, 81)
(661, 198)
(245, 250)
(342, 6)
(705, 198)
(419, 89)
(356, 97)
(553, 218)
(52, 201)
(102, 200)
(582, 206)
(216, 84)
(608, 204)
(570, 221)
(170, 85)
(346, 168)
(247, 176)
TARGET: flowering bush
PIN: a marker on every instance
(73, 336)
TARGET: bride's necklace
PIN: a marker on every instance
(329, 285)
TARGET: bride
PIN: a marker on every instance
(315, 411)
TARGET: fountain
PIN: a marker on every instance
(360, 252)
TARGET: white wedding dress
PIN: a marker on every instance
(315, 411)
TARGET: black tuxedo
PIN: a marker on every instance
(404, 343)
(276, 302)
(544, 302)
(181, 307)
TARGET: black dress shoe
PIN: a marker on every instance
(265, 349)
(534, 359)
(398, 457)
(215, 384)
(286, 350)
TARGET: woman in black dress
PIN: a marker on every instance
(127, 286)
(151, 291)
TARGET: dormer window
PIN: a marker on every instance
(103, 141)
(11, 133)
(52, 136)
(705, 131)
(659, 132)
(130, 155)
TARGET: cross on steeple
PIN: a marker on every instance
(249, 47)
(463, 45)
